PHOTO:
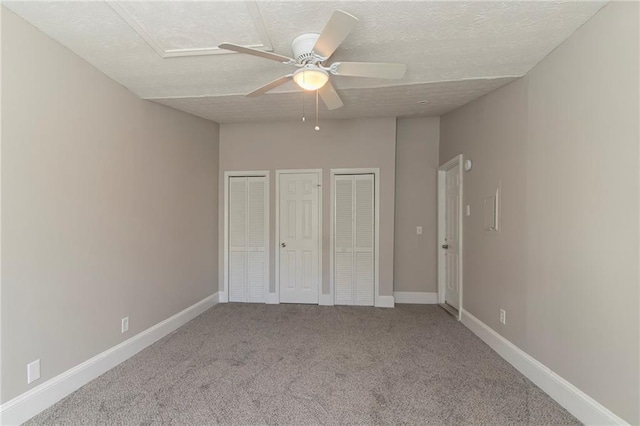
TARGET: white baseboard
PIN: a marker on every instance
(326, 300)
(223, 297)
(582, 406)
(420, 298)
(385, 302)
(32, 402)
(272, 299)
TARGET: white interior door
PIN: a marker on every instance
(248, 278)
(354, 219)
(451, 246)
(299, 269)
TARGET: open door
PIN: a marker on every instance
(450, 236)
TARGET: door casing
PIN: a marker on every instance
(277, 236)
(455, 162)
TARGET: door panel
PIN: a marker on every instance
(247, 267)
(255, 276)
(237, 239)
(256, 240)
(237, 276)
(289, 269)
(364, 279)
(343, 241)
(354, 216)
(299, 239)
(452, 253)
(363, 238)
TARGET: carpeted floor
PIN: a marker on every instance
(302, 365)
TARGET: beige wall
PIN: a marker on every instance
(295, 145)
(492, 132)
(109, 209)
(564, 142)
(415, 262)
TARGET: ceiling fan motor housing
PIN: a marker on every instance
(302, 47)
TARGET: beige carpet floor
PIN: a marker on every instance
(307, 365)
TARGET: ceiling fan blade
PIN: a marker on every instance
(369, 69)
(256, 52)
(337, 29)
(330, 96)
(275, 83)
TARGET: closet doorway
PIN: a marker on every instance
(246, 237)
(354, 256)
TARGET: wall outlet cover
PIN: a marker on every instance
(125, 324)
(33, 371)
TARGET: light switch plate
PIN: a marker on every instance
(125, 324)
(33, 371)
(468, 210)
(418, 230)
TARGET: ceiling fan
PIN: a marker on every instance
(311, 51)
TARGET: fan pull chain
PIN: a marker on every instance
(303, 117)
(317, 126)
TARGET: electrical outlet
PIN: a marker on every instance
(503, 316)
(418, 230)
(33, 371)
(125, 324)
(468, 210)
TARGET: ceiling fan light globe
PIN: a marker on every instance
(311, 78)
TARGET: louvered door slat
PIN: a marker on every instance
(363, 278)
(343, 281)
(344, 213)
(364, 212)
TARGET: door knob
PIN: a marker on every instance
(445, 246)
(283, 244)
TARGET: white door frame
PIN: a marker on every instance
(223, 297)
(455, 162)
(376, 268)
(277, 238)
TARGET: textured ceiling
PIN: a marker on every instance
(482, 44)
(401, 100)
(159, 19)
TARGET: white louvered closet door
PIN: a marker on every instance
(354, 240)
(343, 240)
(247, 239)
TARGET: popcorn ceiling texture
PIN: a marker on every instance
(439, 41)
(401, 100)
(161, 20)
